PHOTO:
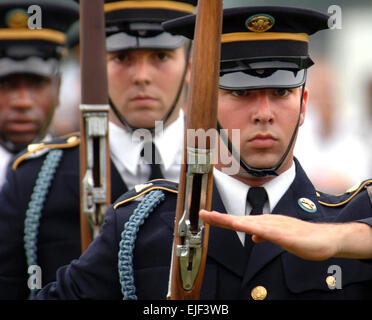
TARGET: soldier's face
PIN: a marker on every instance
(266, 120)
(25, 103)
(143, 84)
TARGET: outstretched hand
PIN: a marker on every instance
(312, 241)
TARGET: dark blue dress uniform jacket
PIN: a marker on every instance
(59, 230)
(227, 276)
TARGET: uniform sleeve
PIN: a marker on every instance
(95, 274)
(368, 218)
(366, 221)
(358, 209)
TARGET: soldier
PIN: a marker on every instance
(29, 75)
(264, 58)
(147, 69)
(33, 42)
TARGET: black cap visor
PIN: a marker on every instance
(247, 75)
(124, 41)
(33, 65)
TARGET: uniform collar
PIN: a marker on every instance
(277, 187)
(234, 192)
(5, 157)
(171, 136)
(127, 149)
(4, 153)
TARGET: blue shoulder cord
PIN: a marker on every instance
(35, 206)
(128, 239)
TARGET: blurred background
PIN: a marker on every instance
(335, 144)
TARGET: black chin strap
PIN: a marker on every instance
(173, 106)
(262, 172)
(10, 146)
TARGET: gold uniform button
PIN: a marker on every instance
(331, 281)
(33, 147)
(71, 139)
(259, 293)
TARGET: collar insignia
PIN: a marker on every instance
(307, 205)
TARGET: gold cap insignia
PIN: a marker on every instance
(259, 22)
(307, 205)
(17, 18)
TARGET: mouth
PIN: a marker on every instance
(262, 141)
(143, 102)
(143, 98)
(23, 126)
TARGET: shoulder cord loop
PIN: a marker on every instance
(128, 239)
(35, 206)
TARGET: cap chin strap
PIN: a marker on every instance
(173, 106)
(10, 146)
(262, 172)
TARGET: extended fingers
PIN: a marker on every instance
(237, 223)
(217, 219)
(264, 227)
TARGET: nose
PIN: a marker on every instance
(141, 71)
(22, 98)
(263, 110)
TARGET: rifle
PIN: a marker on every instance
(94, 149)
(191, 235)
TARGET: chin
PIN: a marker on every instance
(21, 139)
(261, 161)
(141, 121)
(143, 125)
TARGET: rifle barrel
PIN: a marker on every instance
(195, 189)
(95, 189)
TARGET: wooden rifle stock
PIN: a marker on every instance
(190, 243)
(94, 149)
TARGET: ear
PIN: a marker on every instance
(188, 72)
(304, 104)
(57, 86)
